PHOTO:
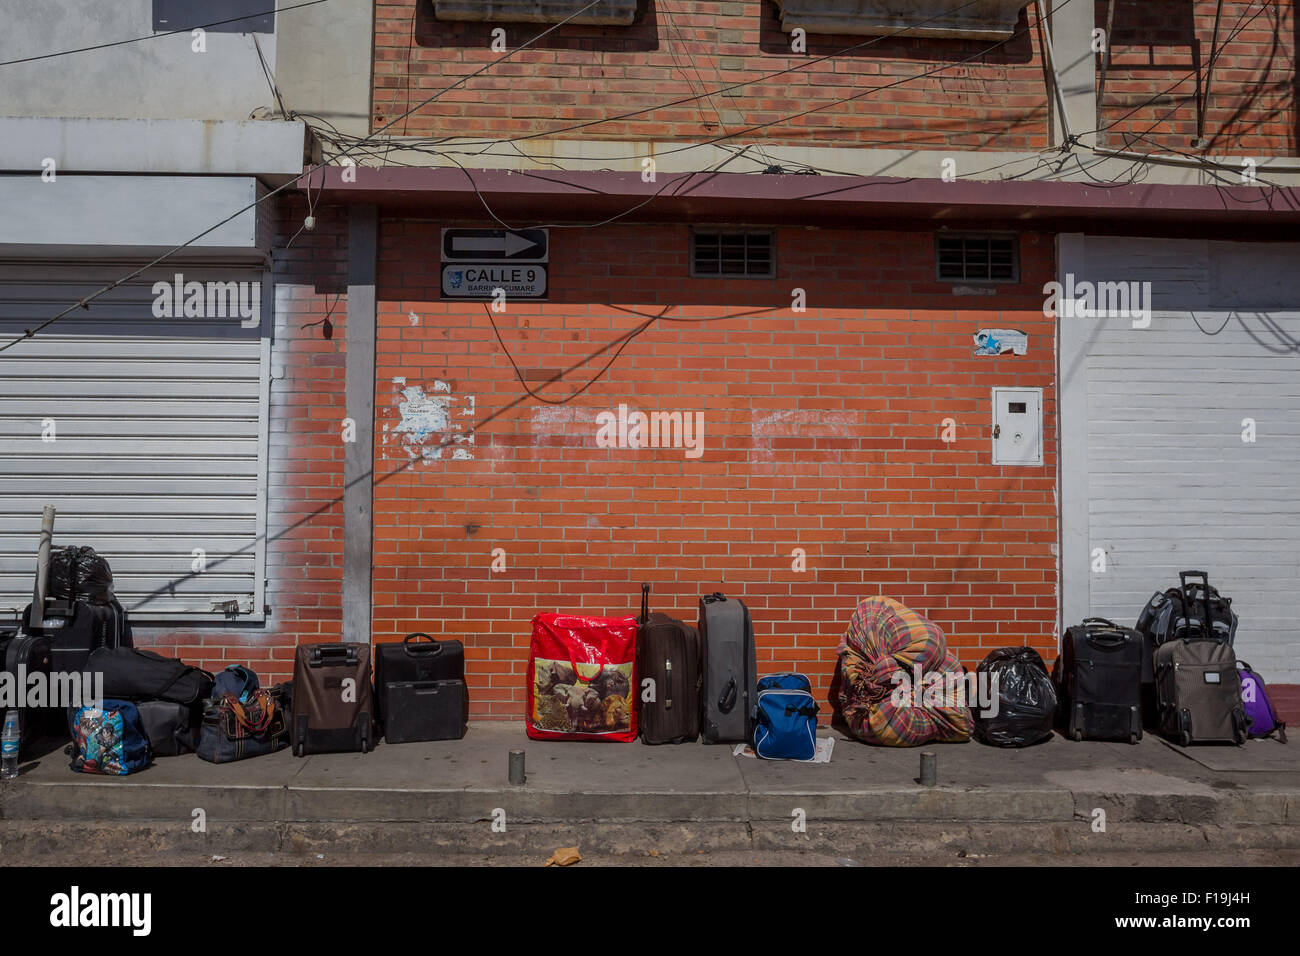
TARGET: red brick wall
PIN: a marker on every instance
(681, 49)
(304, 517)
(1154, 47)
(821, 432)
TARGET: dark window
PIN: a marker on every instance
(738, 253)
(977, 258)
(258, 15)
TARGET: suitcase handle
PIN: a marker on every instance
(333, 655)
(645, 602)
(715, 596)
(419, 648)
(1107, 638)
(1100, 620)
(727, 700)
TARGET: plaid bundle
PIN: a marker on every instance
(879, 653)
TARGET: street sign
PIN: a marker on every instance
(493, 245)
(481, 280)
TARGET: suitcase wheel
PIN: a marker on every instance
(1185, 739)
(1076, 735)
(1241, 737)
(1132, 738)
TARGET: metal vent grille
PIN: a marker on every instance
(732, 253)
(977, 258)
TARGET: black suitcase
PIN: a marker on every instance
(729, 685)
(418, 659)
(23, 655)
(1098, 677)
(426, 710)
(668, 653)
(76, 629)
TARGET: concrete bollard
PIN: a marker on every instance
(929, 769)
(517, 775)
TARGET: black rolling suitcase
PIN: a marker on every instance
(729, 686)
(76, 629)
(668, 653)
(1098, 677)
(420, 689)
(26, 654)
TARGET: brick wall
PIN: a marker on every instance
(304, 517)
(1155, 47)
(989, 95)
(821, 432)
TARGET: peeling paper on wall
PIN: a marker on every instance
(431, 423)
(1001, 341)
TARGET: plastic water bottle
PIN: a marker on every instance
(9, 746)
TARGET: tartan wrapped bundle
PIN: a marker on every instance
(886, 647)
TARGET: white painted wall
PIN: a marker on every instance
(157, 78)
(1153, 466)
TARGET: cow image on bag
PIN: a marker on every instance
(581, 677)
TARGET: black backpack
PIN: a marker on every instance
(1192, 611)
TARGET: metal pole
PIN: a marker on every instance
(42, 566)
(517, 775)
(929, 769)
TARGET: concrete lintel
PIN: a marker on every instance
(359, 455)
(140, 214)
(265, 148)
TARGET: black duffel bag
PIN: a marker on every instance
(131, 674)
(1026, 699)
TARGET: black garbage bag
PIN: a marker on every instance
(79, 574)
(1025, 699)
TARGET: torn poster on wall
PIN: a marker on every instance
(1001, 341)
(431, 424)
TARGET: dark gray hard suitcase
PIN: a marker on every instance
(426, 710)
(1098, 678)
(668, 653)
(1200, 693)
(729, 686)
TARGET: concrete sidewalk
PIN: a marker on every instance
(632, 798)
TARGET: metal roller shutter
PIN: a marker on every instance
(1154, 466)
(159, 446)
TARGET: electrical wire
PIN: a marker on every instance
(85, 302)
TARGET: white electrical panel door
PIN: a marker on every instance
(1017, 426)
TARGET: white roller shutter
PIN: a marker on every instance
(159, 446)
(1155, 470)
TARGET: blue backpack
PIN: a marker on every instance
(109, 739)
(238, 680)
(785, 719)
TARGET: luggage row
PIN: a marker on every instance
(651, 676)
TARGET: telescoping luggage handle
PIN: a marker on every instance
(645, 603)
(1205, 590)
(416, 648)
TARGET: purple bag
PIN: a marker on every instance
(1260, 715)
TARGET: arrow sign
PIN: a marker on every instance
(482, 245)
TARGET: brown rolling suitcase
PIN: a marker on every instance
(1200, 693)
(333, 701)
(668, 652)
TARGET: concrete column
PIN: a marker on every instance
(359, 456)
(1073, 343)
(1071, 27)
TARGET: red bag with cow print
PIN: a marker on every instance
(581, 677)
